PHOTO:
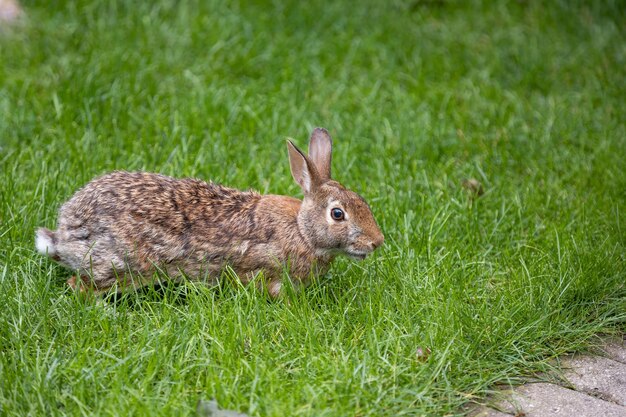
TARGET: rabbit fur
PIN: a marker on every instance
(123, 227)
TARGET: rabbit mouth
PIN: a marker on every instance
(359, 256)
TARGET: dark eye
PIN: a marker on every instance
(336, 214)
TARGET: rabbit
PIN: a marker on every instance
(122, 227)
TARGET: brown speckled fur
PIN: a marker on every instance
(122, 227)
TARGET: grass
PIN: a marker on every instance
(527, 97)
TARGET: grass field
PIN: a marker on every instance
(528, 98)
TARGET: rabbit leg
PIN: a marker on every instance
(273, 288)
(93, 276)
(268, 283)
(84, 284)
(76, 283)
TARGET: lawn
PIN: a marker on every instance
(526, 97)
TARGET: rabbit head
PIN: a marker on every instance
(332, 218)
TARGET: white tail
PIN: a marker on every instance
(44, 242)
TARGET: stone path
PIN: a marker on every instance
(591, 386)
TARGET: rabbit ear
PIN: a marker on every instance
(320, 151)
(302, 169)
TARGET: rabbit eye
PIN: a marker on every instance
(336, 214)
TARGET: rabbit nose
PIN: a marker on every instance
(378, 240)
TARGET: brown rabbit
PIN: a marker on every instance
(122, 227)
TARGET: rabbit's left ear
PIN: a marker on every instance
(320, 151)
(302, 169)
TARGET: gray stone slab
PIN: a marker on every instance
(600, 377)
(549, 400)
(598, 382)
(615, 350)
(488, 412)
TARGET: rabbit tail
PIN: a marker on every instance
(45, 242)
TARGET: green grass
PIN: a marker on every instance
(528, 98)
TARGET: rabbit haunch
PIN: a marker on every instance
(139, 223)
